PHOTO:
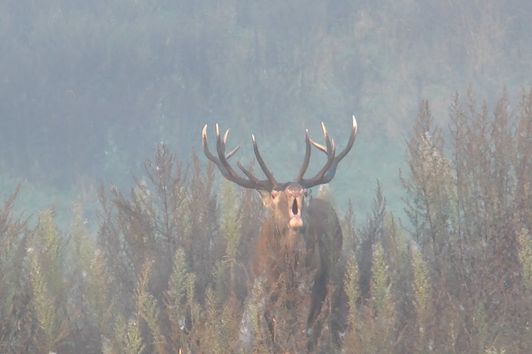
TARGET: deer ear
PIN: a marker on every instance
(266, 198)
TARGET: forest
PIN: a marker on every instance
(89, 89)
(165, 272)
(104, 249)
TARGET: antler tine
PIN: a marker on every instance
(247, 172)
(218, 162)
(220, 144)
(226, 135)
(220, 147)
(223, 165)
(324, 129)
(332, 170)
(351, 141)
(232, 152)
(329, 170)
(306, 160)
(319, 146)
(325, 134)
(331, 152)
(262, 164)
(206, 150)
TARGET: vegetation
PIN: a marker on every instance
(167, 270)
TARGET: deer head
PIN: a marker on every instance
(284, 200)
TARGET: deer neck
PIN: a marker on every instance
(287, 240)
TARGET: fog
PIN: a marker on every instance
(91, 90)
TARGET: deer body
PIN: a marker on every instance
(299, 243)
(315, 247)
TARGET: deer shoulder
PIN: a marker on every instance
(325, 231)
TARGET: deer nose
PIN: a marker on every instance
(295, 222)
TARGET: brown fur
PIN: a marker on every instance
(303, 260)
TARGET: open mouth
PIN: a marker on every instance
(295, 209)
(296, 221)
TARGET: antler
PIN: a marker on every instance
(324, 175)
(227, 170)
(328, 171)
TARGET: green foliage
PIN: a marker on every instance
(127, 338)
(47, 283)
(230, 223)
(226, 269)
(465, 213)
(168, 271)
(352, 293)
(381, 285)
(422, 290)
(177, 296)
(421, 284)
(44, 306)
(221, 325)
(15, 312)
(148, 309)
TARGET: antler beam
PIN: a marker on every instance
(327, 172)
(227, 170)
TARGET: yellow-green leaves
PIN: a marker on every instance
(47, 283)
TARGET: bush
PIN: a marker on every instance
(167, 271)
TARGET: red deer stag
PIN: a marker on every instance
(299, 242)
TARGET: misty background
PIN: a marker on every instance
(88, 89)
(122, 239)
